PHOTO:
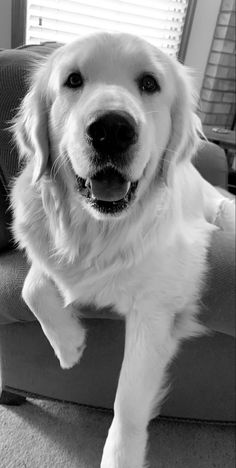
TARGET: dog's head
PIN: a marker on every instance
(114, 114)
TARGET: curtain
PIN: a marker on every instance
(160, 22)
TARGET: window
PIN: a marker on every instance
(165, 23)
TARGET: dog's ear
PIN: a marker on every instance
(185, 124)
(30, 126)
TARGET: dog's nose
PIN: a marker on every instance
(112, 132)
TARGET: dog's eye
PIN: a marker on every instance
(148, 84)
(74, 80)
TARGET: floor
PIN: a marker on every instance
(46, 434)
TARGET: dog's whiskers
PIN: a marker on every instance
(57, 165)
(152, 112)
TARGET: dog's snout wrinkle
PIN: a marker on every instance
(112, 132)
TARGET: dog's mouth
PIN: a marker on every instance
(108, 191)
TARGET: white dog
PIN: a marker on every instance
(111, 211)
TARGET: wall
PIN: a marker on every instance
(5, 24)
(200, 38)
(218, 91)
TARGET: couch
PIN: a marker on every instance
(202, 377)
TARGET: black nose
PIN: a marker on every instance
(112, 132)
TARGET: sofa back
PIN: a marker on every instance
(15, 70)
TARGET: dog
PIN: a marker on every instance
(111, 211)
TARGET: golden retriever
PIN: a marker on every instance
(111, 211)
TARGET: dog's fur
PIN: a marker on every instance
(149, 261)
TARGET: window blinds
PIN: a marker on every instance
(160, 22)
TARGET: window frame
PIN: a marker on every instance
(18, 34)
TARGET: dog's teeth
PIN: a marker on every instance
(87, 183)
(128, 187)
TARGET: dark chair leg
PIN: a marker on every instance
(11, 399)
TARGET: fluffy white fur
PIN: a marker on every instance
(150, 261)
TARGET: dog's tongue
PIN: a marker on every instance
(108, 185)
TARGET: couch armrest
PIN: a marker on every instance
(211, 162)
(219, 298)
(218, 301)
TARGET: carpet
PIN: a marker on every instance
(49, 434)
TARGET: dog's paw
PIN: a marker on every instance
(122, 450)
(117, 457)
(69, 356)
(69, 345)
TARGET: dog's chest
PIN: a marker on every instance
(162, 279)
(110, 286)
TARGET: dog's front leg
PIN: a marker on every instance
(149, 347)
(60, 325)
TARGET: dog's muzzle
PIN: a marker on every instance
(112, 133)
(110, 136)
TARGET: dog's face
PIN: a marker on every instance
(116, 111)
